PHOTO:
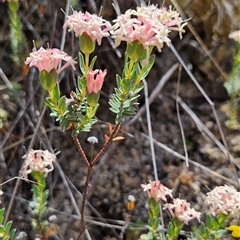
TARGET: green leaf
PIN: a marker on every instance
(93, 62)
(154, 223)
(56, 93)
(208, 221)
(64, 123)
(146, 69)
(127, 84)
(49, 102)
(82, 63)
(118, 80)
(13, 234)
(45, 195)
(170, 229)
(8, 227)
(2, 215)
(62, 104)
(75, 132)
(35, 190)
(135, 73)
(82, 83)
(138, 87)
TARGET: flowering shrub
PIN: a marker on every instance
(142, 30)
(220, 202)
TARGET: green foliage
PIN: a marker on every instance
(214, 228)
(48, 80)
(16, 92)
(233, 88)
(146, 69)
(153, 221)
(93, 62)
(5, 231)
(39, 203)
(174, 228)
(124, 100)
(17, 38)
(82, 63)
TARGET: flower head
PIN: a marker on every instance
(38, 160)
(49, 59)
(131, 203)
(157, 191)
(148, 24)
(95, 80)
(95, 27)
(235, 231)
(181, 210)
(235, 35)
(223, 199)
(92, 140)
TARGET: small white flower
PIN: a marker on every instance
(131, 198)
(235, 35)
(52, 218)
(92, 140)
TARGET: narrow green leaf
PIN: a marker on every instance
(118, 80)
(2, 215)
(56, 93)
(82, 83)
(8, 227)
(147, 68)
(93, 62)
(62, 104)
(82, 63)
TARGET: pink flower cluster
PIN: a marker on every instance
(157, 191)
(223, 199)
(95, 27)
(95, 80)
(38, 160)
(148, 24)
(181, 210)
(49, 59)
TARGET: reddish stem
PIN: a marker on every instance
(80, 150)
(105, 146)
(89, 172)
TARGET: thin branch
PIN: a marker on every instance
(89, 173)
(84, 200)
(200, 41)
(179, 118)
(202, 127)
(178, 155)
(104, 148)
(210, 102)
(80, 151)
(155, 92)
(150, 130)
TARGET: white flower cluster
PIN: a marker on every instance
(38, 160)
(223, 199)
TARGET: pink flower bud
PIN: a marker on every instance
(95, 80)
